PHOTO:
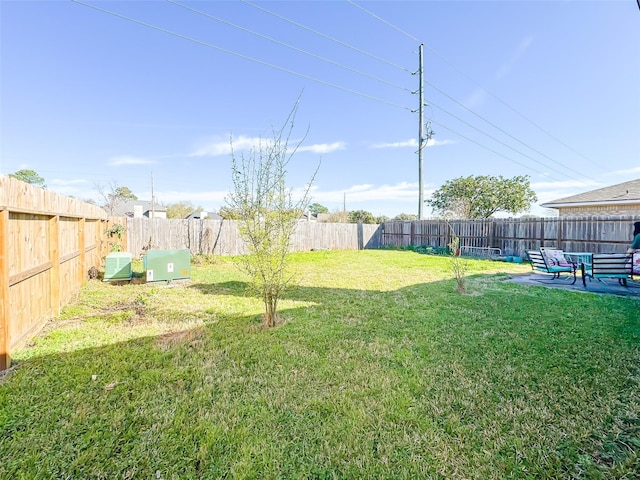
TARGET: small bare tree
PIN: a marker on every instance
(112, 196)
(267, 213)
(458, 265)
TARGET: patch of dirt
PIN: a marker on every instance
(190, 337)
(137, 307)
(55, 324)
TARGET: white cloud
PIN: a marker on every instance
(554, 190)
(565, 185)
(628, 171)
(216, 147)
(323, 147)
(381, 199)
(60, 182)
(368, 193)
(128, 160)
(412, 142)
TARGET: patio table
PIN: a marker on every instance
(579, 258)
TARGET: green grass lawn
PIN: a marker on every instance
(379, 370)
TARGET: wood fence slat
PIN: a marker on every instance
(5, 312)
(54, 257)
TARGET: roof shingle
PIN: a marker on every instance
(615, 193)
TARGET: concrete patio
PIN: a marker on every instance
(606, 286)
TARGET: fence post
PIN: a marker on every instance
(412, 231)
(492, 231)
(54, 258)
(82, 248)
(5, 357)
(559, 239)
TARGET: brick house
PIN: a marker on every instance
(617, 200)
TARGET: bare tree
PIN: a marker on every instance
(113, 195)
(267, 213)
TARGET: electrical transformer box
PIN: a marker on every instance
(167, 265)
(118, 267)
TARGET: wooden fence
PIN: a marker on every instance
(220, 237)
(513, 236)
(48, 242)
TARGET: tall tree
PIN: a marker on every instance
(361, 216)
(482, 196)
(29, 176)
(124, 193)
(405, 216)
(268, 214)
(181, 209)
(316, 208)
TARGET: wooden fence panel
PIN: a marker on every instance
(514, 236)
(27, 243)
(68, 235)
(221, 237)
(29, 307)
(92, 243)
(47, 244)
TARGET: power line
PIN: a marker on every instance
(495, 152)
(304, 27)
(348, 68)
(444, 110)
(246, 57)
(477, 83)
(384, 21)
(509, 146)
(288, 45)
(148, 25)
(499, 129)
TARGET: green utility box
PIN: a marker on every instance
(167, 265)
(118, 267)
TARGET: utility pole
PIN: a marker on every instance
(153, 210)
(420, 133)
(153, 213)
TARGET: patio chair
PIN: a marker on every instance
(609, 265)
(551, 263)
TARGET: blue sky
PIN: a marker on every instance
(548, 89)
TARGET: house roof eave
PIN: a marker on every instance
(590, 204)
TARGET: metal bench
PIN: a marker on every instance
(540, 263)
(480, 252)
(608, 265)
